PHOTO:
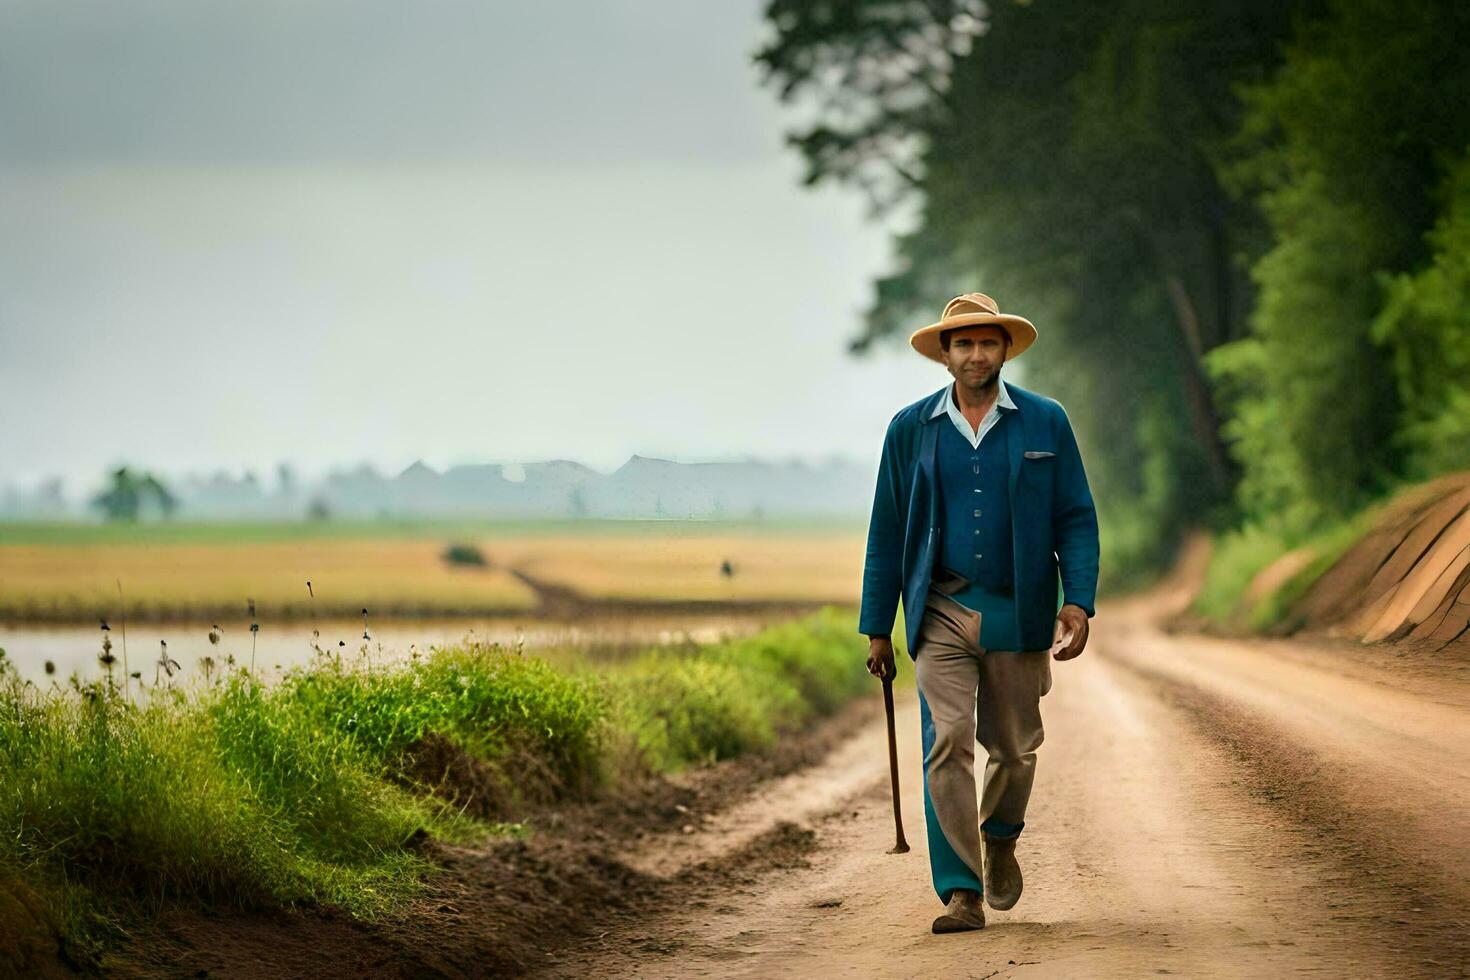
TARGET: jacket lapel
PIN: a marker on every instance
(1015, 445)
(928, 451)
(929, 443)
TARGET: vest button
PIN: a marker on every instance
(977, 513)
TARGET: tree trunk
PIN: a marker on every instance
(1205, 423)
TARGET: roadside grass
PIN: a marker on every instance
(1238, 556)
(321, 789)
(1275, 609)
(671, 711)
(1241, 554)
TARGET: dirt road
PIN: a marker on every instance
(1202, 807)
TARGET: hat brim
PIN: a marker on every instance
(925, 340)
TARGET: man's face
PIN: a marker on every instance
(975, 354)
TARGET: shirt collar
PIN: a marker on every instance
(1002, 399)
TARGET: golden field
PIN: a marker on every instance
(399, 577)
(795, 567)
(66, 574)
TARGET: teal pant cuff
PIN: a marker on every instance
(1000, 830)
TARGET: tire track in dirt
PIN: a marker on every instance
(800, 797)
(1202, 807)
(1389, 754)
(1373, 865)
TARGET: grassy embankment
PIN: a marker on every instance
(318, 790)
(1240, 556)
(202, 572)
(1257, 577)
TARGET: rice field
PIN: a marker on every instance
(822, 567)
(393, 576)
(72, 573)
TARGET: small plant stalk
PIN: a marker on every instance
(123, 623)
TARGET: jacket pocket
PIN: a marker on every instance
(1038, 469)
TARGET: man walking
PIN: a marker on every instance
(981, 501)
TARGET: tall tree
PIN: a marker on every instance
(129, 492)
(1351, 149)
(122, 498)
(1062, 154)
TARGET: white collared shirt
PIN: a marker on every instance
(1002, 399)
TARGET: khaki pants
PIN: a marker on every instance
(973, 694)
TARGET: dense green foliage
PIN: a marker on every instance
(315, 790)
(738, 695)
(1243, 229)
(1425, 324)
(1348, 148)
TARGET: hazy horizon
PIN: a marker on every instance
(233, 237)
(513, 470)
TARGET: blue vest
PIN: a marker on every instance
(975, 527)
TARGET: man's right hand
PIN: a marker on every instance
(880, 658)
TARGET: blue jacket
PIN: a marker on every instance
(1053, 521)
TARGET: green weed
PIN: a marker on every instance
(318, 788)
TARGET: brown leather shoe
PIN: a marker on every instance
(1002, 873)
(964, 912)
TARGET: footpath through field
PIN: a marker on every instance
(1203, 807)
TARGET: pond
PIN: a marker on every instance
(279, 647)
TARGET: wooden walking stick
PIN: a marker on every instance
(902, 847)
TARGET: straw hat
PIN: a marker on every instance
(973, 310)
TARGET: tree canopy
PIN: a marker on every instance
(1241, 227)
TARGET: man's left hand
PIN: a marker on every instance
(1071, 625)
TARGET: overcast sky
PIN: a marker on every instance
(333, 231)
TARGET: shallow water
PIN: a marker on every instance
(280, 647)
